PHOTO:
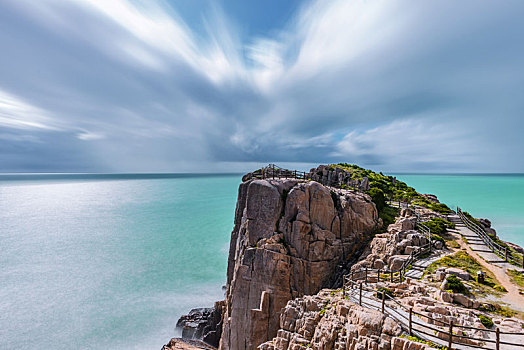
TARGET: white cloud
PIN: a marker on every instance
(391, 83)
(19, 114)
(88, 136)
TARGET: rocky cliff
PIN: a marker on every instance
(288, 241)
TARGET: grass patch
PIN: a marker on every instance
(418, 340)
(466, 262)
(388, 293)
(452, 244)
(486, 321)
(516, 277)
(504, 311)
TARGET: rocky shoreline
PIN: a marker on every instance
(291, 244)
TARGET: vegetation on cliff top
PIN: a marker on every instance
(391, 187)
(383, 187)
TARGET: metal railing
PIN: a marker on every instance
(502, 251)
(448, 335)
(274, 172)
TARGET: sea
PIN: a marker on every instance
(112, 261)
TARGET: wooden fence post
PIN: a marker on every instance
(384, 300)
(360, 295)
(378, 275)
(506, 253)
(497, 344)
(391, 276)
(450, 342)
(430, 243)
(410, 321)
(366, 275)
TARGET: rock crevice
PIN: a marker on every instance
(288, 240)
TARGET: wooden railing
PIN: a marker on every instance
(502, 251)
(448, 334)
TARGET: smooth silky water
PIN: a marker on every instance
(105, 262)
(112, 261)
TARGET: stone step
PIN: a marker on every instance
(496, 261)
(481, 250)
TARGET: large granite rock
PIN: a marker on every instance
(288, 239)
(392, 248)
(329, 321)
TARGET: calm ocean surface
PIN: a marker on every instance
(111, 261)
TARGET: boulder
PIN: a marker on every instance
(459, 273)
(443, 296)
(410, 249)
(440, 274)
(465, 301)
(378, 264)
(396, 262)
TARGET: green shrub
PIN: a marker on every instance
(516, 277)
(486, 321)
(439, 226)
(500, 288)
(455, 285)
(419, 340)
(440, 208)
(438, 238)
(388, 293)
(388, 215)
(377, 195)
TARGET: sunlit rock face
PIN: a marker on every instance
(288, 240)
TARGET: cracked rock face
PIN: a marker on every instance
(329, 321)
(288, 239)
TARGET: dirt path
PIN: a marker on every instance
(512, 297)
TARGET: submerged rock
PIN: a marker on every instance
(203, 324)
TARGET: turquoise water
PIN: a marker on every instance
(499, 198)
(112, 261)
(104, 262)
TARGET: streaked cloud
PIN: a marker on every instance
(19, 114)
(133, 86)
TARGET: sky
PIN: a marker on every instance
(229, 85)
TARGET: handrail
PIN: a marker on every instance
(448, 337)
(502, 251)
